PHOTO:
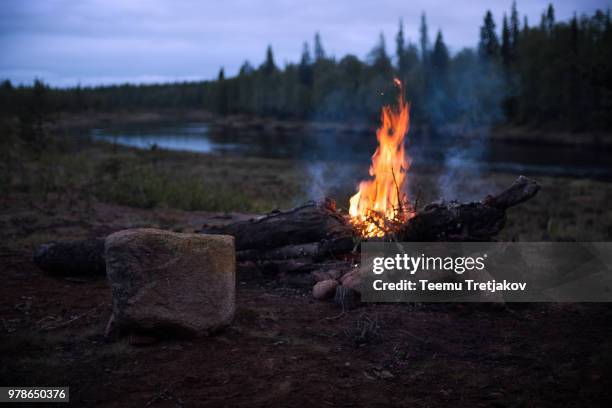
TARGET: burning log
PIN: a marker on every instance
(477, 221)
(317, 231)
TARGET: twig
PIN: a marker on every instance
(74, 319)
(397, 190)
(335, 317)
(413, 336)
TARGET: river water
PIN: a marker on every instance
(442, 150)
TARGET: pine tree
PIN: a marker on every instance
(514, 28)
(245, 69)
(378, 56)
(400, 52)
(424, 38)
(439, 56)
(506, 46)
(269, 66)
(222, 95)
(318, 48)
(488, 47)
(306, 59)
(550, 18)
(305, 68)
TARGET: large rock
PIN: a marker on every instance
(167, 283)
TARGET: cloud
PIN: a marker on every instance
(116, 40)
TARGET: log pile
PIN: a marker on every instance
(306, 238)
(316, 239)
(317, 242)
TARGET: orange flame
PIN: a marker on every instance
(381, 202)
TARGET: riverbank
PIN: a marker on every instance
(512, 134)
(83, 173)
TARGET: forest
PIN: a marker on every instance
(553, 75)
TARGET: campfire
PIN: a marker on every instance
(315, 242)
(381, 205)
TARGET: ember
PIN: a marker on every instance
(381, 204)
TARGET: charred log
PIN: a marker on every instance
(314, 222)
(317, 251)
(453, 221)
(74, 258)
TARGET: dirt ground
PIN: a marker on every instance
(284, 348)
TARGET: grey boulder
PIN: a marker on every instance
(170, 283)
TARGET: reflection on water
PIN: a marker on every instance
(189, 137)
(355, 147)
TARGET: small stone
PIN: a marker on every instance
(352, 280)
(324, 289)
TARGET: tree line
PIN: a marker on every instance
(555, 73)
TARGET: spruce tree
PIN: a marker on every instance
(439, 55)
(400, 51)
(424, 38)
(319, 52)
(269, 66)
(550, 18)
(488, 47)
(514, 28)
(305, 68)
(506, 46)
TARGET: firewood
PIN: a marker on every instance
(476, 221)
(299, 240)
(73, 258)
(315, 250)
(312, 222)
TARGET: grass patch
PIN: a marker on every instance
(86, 170)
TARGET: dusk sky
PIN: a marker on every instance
(113, 41)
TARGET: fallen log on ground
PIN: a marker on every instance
(316, 251)
(476, 221)
(74, 258)
(314, 222)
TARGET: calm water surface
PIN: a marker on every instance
(446, 151)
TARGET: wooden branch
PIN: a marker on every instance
(520, 191)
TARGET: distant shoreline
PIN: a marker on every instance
(511, 134)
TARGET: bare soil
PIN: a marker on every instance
(284, 348)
